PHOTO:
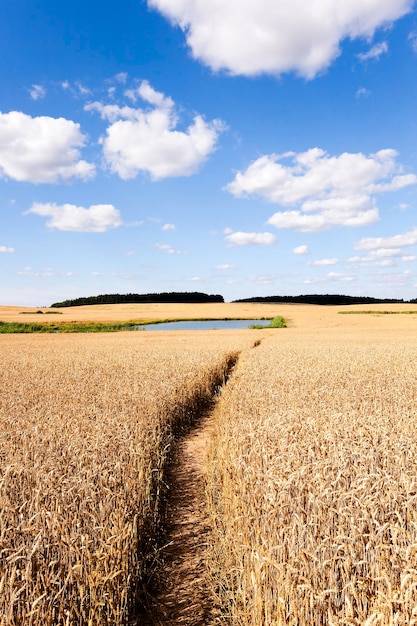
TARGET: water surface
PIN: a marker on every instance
(204, 325)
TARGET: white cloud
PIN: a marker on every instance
(412, 37)
(48, 272)
(396, 241)
(147, 140)
(249, 38)
(240, 238)
(372, 260)
(6, 249)
(98, 218)
(27, 271)
(225, 267)
(37, 92)
(76, 89)
(332, 190)
(121, 77)
(41, 149)
(400, 279)
(264, 279)
(165, 247)
(330, 277)
(363, 92)
(126, 276)
(382, 257)
(169, 227)
(149, 94)
(301, 250)
(296, 220)
(332, 261)
(385, 252)
(111, 112)
(82, 90)
(375, 52)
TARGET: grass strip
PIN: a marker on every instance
(377, 312)
(65, 327)
(106, 327)
(276, 322)
(40, 312)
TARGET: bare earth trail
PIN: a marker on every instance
(182, 596)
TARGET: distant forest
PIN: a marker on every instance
(323, 299)
(197, 297)
(136, 298)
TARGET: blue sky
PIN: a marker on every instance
(228, 147)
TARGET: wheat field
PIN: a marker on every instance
(312, 481)
(311, 477)
(86, 425)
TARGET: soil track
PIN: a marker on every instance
(182, 591)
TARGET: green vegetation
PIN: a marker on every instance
(377, 312)
(147, 298)
(108, 327)
(40, 312)
(65, 327)
(276, 322)
(325, 299)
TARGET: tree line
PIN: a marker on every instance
(327, 299)
(136, 298)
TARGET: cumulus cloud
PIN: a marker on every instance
(301, 250)
(332, 190)
(48, 272)
(82, 89)
(399, 279)
(37, 92)
(225, 267)
(319, 262)
(264, 279)
(363, 92)
(412, 37)
(249, 38)
(6, 249)
(41, 149)
(98, 218)
(383, 251)
(165, 247)
(121, 77)
(240, 238)
(395, 242)
(329, 277)
(169, 227)
(148, 140)
(372, 260)
(375, 52)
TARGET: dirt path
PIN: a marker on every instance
(182, 596)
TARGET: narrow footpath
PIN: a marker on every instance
(182, 595)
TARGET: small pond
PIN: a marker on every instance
(204, 325)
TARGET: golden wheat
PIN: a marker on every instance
(86, 424)
(312, 482)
